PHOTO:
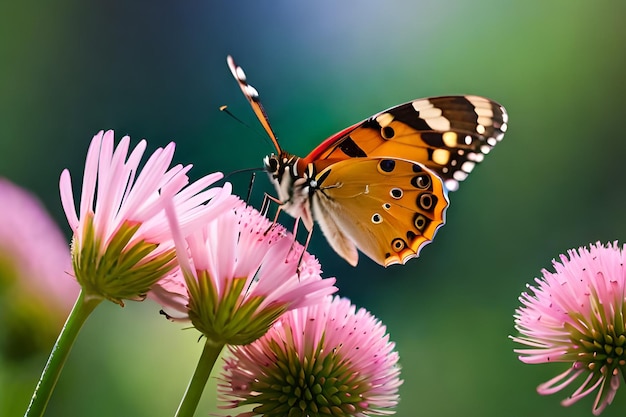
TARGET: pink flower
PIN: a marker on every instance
(36, 292)
(578, 315)
(241, 275)
(122, 244)
(31, 240)
(325, 359)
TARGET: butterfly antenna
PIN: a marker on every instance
(224, 109)
(241, 171)
(252, 178)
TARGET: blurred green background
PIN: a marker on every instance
(156, 70)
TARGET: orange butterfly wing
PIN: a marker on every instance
(448, 134)
(388, 208)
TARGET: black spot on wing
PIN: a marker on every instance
(350, 148)
(433, 139)
(387, 165)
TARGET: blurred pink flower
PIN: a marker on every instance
(578, 315)
(241, 275)
(122, 244)
(36, 292)
(325, 359)
(35, 245)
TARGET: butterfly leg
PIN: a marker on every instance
(252, 177)
(267, 201)
(295, 237)
(304, 248)
(295, 241)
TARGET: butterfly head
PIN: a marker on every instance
(294, 184)
(282, 170)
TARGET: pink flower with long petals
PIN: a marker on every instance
(122, 244)
(242, 273)
(577, 315)
(328, 359)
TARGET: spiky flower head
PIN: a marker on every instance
(577, 315)
(328, 359)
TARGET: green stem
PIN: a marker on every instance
(190, 400)
(43, 391)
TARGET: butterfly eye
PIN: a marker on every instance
(387, 165)
(421, 181)
(271, 164)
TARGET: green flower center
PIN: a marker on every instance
(601, 346)
(317, 385)
(602, 350)
(231, 318)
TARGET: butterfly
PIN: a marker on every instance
(381, 185)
